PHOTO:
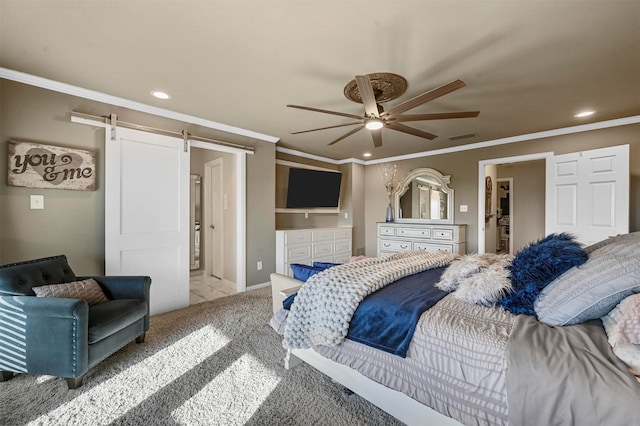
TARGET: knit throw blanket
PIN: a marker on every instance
(325, 303)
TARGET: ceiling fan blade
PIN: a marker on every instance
(325, 128)
(346, 135)
(436, 116)
(367, 95)
(341, 114)
(425, 97)
(377, 138)
(410, 130)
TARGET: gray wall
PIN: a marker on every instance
(463, 168)
(528, 193)
(72, 222)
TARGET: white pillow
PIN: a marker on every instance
(486, 287)
(466, 266)
(622, 325)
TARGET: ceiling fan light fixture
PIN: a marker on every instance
(374, 124)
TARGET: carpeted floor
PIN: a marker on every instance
(215, 363)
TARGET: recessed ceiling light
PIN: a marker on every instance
(366, 154)
(160, 95)
(584, 114)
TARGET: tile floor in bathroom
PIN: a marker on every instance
(203, 288)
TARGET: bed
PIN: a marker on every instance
(549, 336)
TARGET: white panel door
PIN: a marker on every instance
(147, 213)
(587, 193)
(214, 197)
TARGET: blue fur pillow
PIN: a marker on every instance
(537, 265)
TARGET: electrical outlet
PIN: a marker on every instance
(464, 208)
(259, 266)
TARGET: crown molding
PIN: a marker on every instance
(318, 157)
(495, 142)
(80, 92)
(57, 86)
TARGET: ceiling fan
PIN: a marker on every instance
(374, 89)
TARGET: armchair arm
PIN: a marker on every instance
(124, 287)
(44, 335)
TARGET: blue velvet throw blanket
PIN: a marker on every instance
(387, 318)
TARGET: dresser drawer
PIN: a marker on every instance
(323, 235)
(342, 258)
(414, 232)
(386, 231)
(443, 234)
(293, 237)
(342, 234)
(298, 252)
(343, 246)
(433, 247)
(322, 249)
(391, 245)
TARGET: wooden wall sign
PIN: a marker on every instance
(35, 165)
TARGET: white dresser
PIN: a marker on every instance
(396, 236)
(312, 245)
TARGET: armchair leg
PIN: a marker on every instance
(140, 338)
(6, 375)
(74, 382)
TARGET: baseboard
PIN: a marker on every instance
(257, 286)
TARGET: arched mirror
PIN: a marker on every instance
(424, 196)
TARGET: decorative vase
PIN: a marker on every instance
(389, 217)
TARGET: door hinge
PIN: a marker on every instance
(185, 137)
(113, 122)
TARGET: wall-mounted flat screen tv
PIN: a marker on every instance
(309, 188)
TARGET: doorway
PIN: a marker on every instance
(534, 203)
(504, 215)
(168, 169)
(217, 273)
(584, 193)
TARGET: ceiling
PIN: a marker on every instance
(529, 66)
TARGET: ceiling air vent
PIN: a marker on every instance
(457, 138)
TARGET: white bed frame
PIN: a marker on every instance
(399, 405)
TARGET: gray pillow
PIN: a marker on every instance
(618, 238)
(88, 290)
(592, 290)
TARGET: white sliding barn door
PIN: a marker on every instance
(587, 193)
(147, 213)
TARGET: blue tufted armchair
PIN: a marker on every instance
(65, 337)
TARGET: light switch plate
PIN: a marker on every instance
(37, 202)
(464, 208)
